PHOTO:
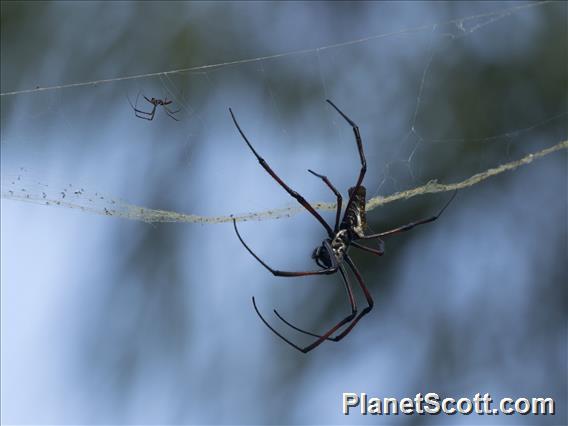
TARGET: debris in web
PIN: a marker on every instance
(18, 187)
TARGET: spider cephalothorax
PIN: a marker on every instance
(332, 255)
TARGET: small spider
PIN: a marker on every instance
(156, 103)
(332, 254)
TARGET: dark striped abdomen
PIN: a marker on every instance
(355, 217)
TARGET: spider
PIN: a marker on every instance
(332, 255)
(156, 103)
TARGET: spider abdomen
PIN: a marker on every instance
(355, 218)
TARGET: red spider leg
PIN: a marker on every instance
(305, 349)
(361, 153)
(379, 252)
(337, 194)
(326, 271)
(347, 319)
(289, 190)
(364, 312)
(411, 225)
(368, 297)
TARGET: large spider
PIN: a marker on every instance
(331, 255)
(155, 104)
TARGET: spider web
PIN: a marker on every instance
(447, 95)
(400, 87)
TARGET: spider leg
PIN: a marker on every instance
(337, 194)
(327, 335)
(289, 190)
(359, 148)
(366, 292)
(149, 114)
(368, 297)
(411, 225)
(137, 111)
(172, 117)
(305, 349)
(344, 321)
(143, 112)
(273, 330)
(326, 271)
(130, 102)
(379, 252)
(171, 113)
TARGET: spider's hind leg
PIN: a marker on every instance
(368, 297)
(310, 347)
(341, 323)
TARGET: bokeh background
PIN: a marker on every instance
(114, 321)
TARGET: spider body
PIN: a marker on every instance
(339, 245)
(155, 104)
(333, 253)
(355, 218)
(352, 227)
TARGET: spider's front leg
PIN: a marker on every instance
(283, 184)
(338, 198)
(359, 142)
